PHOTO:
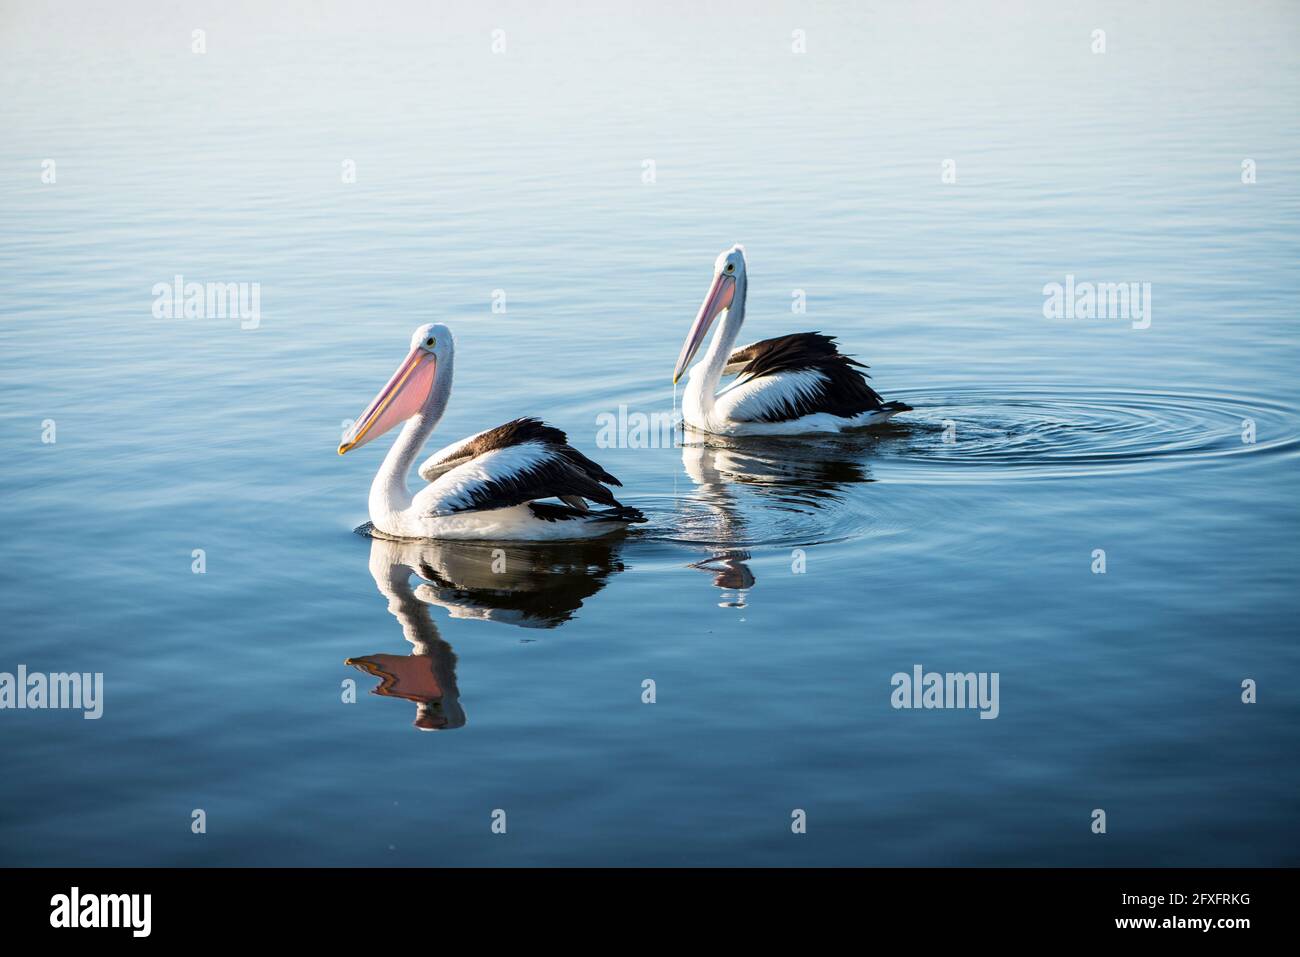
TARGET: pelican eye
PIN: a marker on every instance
(429, 341)
(731, 267)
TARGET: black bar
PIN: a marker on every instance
(334, 905)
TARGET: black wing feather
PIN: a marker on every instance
(561, 471)
(844, 391)
(798, 350)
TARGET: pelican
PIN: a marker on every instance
(790, 385)
(488, 486)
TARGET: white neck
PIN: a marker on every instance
(388, 492)
(702, 381)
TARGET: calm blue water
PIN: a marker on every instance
(961, 538)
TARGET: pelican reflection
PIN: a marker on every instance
(528, 586)
(743, 482)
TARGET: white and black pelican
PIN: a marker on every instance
(790, 385)
(488, 486)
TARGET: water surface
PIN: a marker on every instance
(778, 585)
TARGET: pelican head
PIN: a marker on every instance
(408, 389)
(727, 271)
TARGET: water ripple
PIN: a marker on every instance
(982, 434)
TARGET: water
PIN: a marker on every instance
(961, 537)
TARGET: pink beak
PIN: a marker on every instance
(400, 399)
(719, 298)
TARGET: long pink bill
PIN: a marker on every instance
(719, 298)
(400, 399)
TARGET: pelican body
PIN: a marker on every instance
(490, 486)
(790, 385)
